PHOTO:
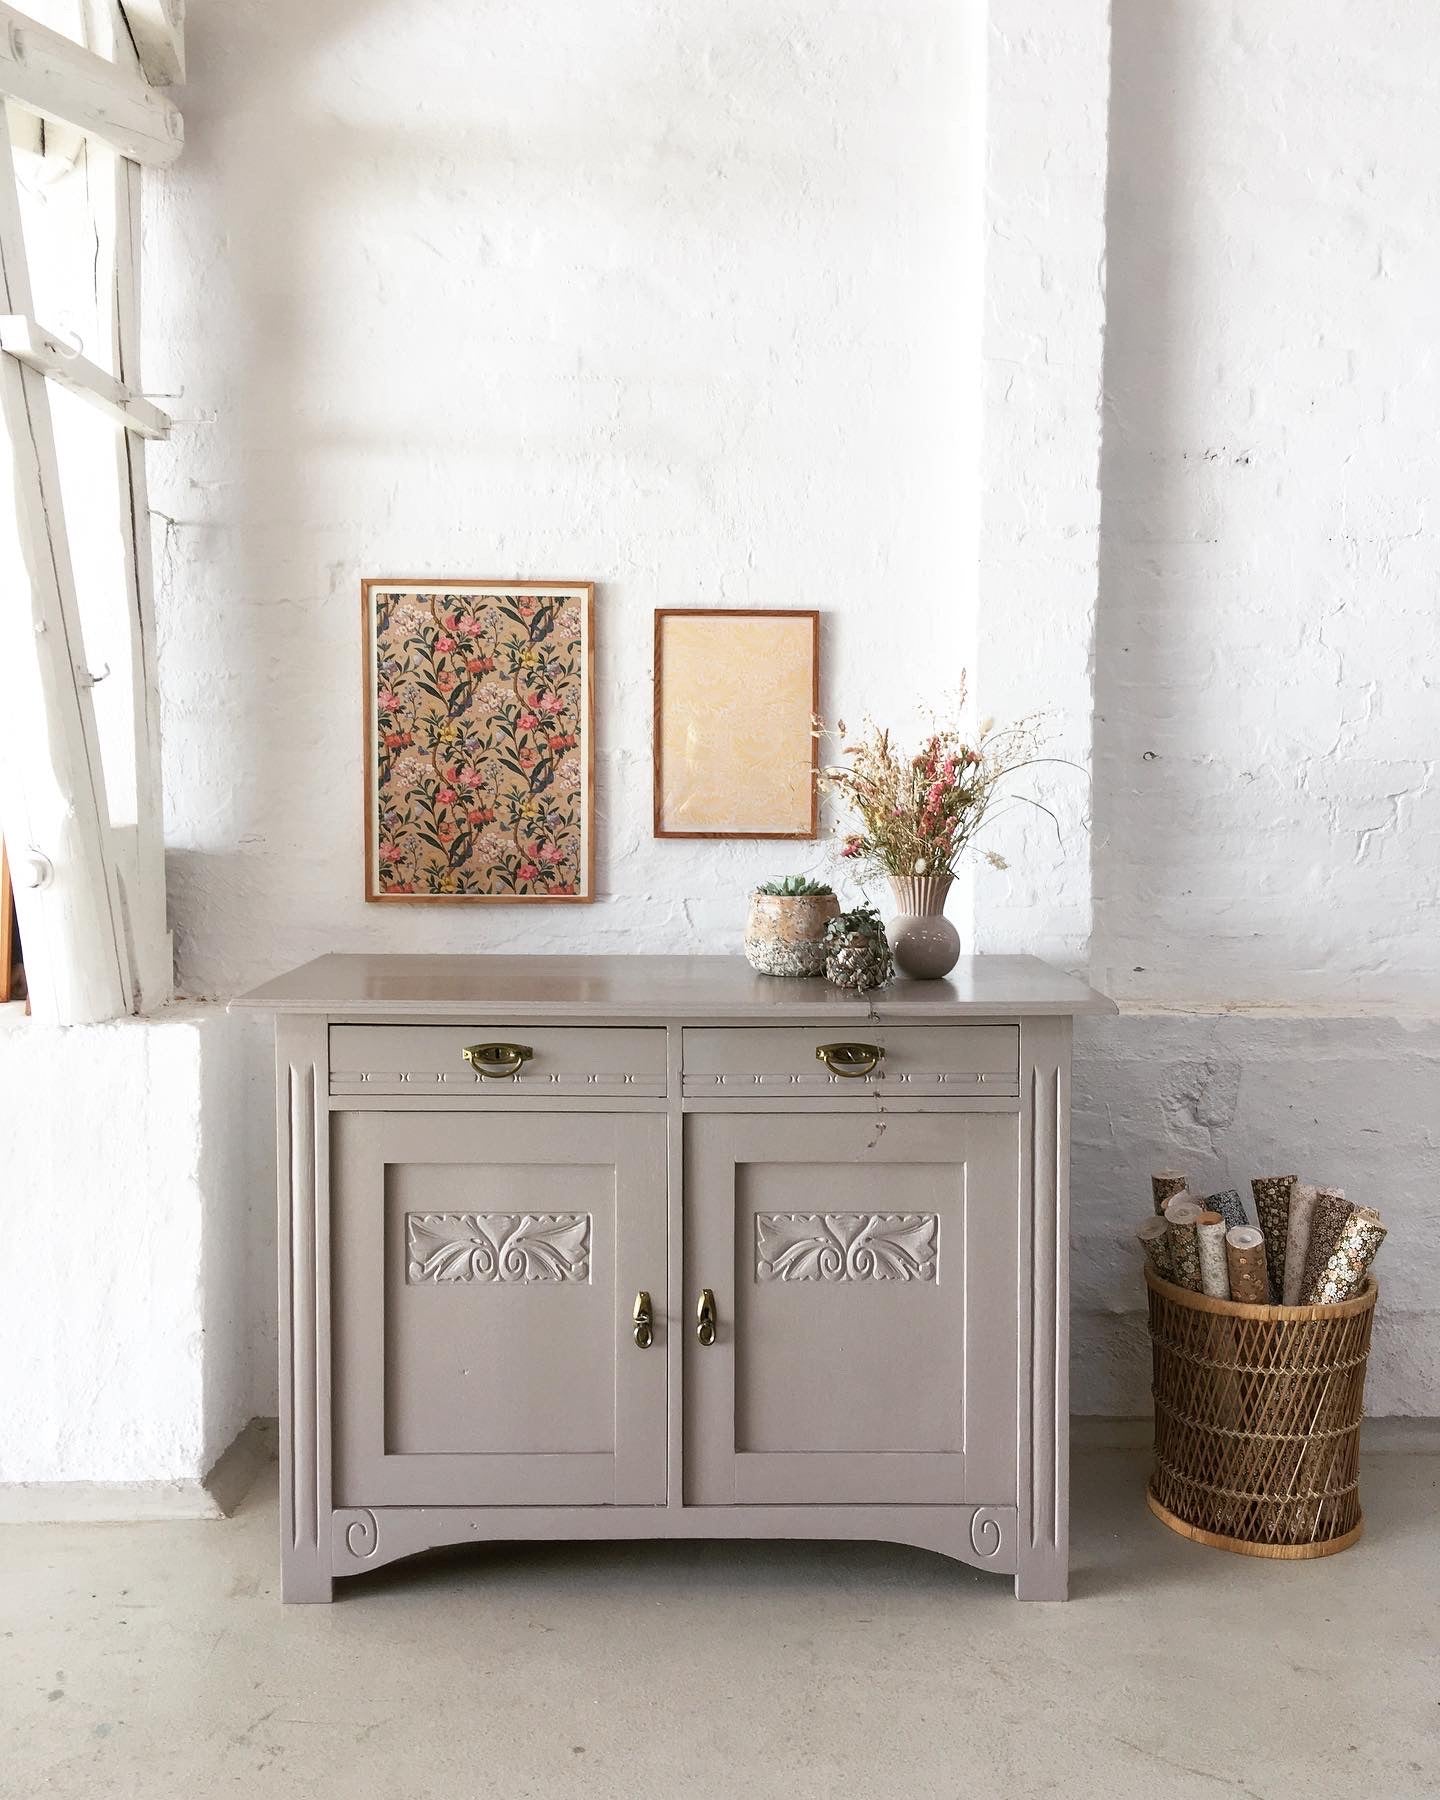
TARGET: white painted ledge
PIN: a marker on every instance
(132, 1502)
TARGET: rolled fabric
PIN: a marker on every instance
(1297, 1241)
(1166, 1183)
(1349, 1262)
(1155, 1242)
(1327, 1221)
(1210, 1236)
(1272, 1211)
(1180, 1223)
(1245, 1258)
(1230, 1207)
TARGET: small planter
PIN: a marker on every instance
(857, 951)
(785, 933)
(1257, 1420)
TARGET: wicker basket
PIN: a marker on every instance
(1257, 1420)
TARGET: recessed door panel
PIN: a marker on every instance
(845, 1334)
(498, 1336)
(864, 1280)
(485, 1275)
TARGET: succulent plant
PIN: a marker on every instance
(860, 921)
(795, 887)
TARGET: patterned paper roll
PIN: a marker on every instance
(1349, 1262)
(1230, 1207)
(1214, 1276)
(1272, 1210)
(1327, 1221)
(1166, 1183)
(1245, 1255)
(1180, 1224)
(1297, 1241)
(1155, 1242)
(1183, 1198)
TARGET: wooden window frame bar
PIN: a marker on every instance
(90, 904)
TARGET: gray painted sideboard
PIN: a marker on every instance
(635, 1246)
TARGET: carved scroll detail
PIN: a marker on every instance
(497, 1247)
(362, 1534)
(847, 1246)
(987, 1534)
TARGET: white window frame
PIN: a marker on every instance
(90, 900)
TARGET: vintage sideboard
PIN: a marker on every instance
(651, 1246)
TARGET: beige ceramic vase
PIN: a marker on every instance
(785, 933)
(925, 945)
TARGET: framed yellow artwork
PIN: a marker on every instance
(479, 742)
(736, 696)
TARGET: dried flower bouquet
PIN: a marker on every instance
(919, 810)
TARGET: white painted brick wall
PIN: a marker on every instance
(662, 295)
(136, 1193)
(1044, 244)
(1266, 809)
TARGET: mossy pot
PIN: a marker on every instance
(785, 933)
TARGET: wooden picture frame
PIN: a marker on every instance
(734, 750)
(472, 793)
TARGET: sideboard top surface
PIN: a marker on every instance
(656, 987)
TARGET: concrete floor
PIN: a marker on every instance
(154, 1660)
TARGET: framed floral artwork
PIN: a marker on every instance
(479, 744)
(736, 697)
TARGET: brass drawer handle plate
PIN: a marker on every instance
(496, 1061)
(854, 1060)
(705, 1318)
(644, 1321)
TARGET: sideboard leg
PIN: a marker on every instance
(302, 1578)
(1043, 1574)
(1042, 1562)
(304, 1237)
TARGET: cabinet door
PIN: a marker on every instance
(486, 1269)
(864, 1274)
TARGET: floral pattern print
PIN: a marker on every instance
(479, 710)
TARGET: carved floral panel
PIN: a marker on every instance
(846, 1246)
(497, 1247)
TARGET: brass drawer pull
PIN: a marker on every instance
(850, 1059)
(705, 1318)
(497, 1060)
(644, 1321)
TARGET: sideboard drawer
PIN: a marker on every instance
(918, 1061)
(565, 1061)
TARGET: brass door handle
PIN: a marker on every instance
(644, 1321)
(850, 1059)
(497, 1060)
(705, 1318)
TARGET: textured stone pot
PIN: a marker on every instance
(785, 933)
(926, 946)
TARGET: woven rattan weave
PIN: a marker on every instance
(1257, 1420)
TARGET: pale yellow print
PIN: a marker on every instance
(736, 741)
